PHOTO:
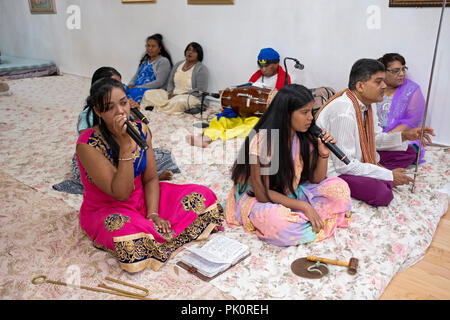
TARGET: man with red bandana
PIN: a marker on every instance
(228, 124)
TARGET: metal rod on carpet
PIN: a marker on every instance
(444, 3)
(106, 289)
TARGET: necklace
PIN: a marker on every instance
(186, 66)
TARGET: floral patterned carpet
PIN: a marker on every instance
(40, 232)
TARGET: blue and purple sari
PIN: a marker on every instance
(407, 108)
(146, 74)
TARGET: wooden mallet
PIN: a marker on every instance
(352, 265)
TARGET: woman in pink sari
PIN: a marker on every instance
(125, 208)
(280, 190)
(402, 108)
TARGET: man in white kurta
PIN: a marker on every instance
(368, 182)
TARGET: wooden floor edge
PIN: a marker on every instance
(426, 273)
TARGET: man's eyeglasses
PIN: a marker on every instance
(397, 70)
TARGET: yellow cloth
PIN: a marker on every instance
(228, 128)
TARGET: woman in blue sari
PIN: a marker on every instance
(153, 70)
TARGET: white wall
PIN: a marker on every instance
(327, 36)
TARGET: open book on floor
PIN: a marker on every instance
(214, 257)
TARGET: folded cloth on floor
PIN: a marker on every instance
(227, 113)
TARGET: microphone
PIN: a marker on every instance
(204, 93)
(136, 136)
(317, 132)
(297, 65)
(139, 115)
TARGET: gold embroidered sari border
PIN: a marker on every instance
(139, 251)
(155, 264)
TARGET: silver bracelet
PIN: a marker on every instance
(126, 159)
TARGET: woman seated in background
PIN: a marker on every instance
(402, 108)
(185, 80)
(125, 208)
(280, 191)
(153, 70)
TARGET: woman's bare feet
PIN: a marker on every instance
(166, 175)
(198, 141)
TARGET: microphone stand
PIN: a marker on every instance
(286, 77)
(413, 186)
(298, 65)
(202, 124)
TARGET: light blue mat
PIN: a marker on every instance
(10, 63)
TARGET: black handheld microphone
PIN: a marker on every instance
(141, 117)
(136, 136)
(317, 132)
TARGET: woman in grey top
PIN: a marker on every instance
(186, 79)
(153, 70)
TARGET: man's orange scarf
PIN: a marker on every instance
(365, 127)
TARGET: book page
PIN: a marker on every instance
(204, 266)
(218, 254)
(207, 255)
(225, 249)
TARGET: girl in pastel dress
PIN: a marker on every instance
(280, 190)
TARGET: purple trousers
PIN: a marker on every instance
(372, 191)
(398, 159)
(379, 192)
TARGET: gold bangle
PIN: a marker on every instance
(324, 157)
(153, 213)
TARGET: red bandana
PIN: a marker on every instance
(280, 79)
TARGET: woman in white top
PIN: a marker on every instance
(186, 79)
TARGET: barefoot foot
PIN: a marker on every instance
(198, 141)
(166, 175)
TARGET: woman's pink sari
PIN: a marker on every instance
(122, 227)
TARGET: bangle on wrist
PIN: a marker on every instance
(132, 157)
(324, 157)
(153, 213)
